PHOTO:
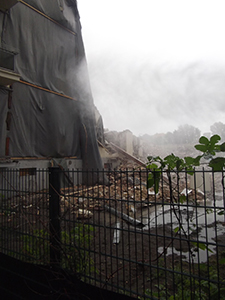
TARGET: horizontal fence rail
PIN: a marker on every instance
(118, 234)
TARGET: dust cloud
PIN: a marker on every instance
(155, 65)
(147, 97)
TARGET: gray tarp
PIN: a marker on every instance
(3, 110)
(49, 56)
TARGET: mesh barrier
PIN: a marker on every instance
(120, 235)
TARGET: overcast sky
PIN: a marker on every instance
(156, 64)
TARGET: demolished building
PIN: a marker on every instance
(46, 104)
(123, 147)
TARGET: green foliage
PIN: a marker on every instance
(36, 247)
(217, 164)
(191, 288)
(73, 245)
(188, 288)
(75, 256)
(154, 175)
(210, 147)
(201, 246)
(171, 163)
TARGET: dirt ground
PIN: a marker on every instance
(135, 265)
(132, 263)
(142, 259)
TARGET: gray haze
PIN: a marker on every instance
(153, 66)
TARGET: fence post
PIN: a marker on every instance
(54, 215)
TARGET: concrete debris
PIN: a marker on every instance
(82, 200)
(28, 206)
(116, 236)
(186, 192)
(126, 196)
(84, 213)
(124, 217)
(193, 195)
(200, 192)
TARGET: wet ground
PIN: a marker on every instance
(168, 238)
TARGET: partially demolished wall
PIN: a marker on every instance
(127, 142)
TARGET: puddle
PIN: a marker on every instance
(199, 222)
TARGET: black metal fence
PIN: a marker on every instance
(118, 234)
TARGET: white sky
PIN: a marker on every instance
(156, 64)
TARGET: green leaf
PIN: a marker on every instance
(150, 182)
(190, 172)
(179, 164)
(156, 186)
(156, 178)
(215, 139)
(221, 212)
(222, 261)
(170, 156)
(189, 160)
(203, 140)
(176, 229)
(202, 148)
(153, 166)
(222, 147)
(217, 164)
(202, 246)
(217, 148)
(212, 152)
(153, 180)
(197, 160)
(158, 158)
(182, 199)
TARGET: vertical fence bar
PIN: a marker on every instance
(54, 215)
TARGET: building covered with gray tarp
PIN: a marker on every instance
(46, 104)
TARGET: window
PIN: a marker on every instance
(6, 59)
(7, 74)
(28, 171)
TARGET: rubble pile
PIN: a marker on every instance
(125, 190)
(121, 188)
(128, 191)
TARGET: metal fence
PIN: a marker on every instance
(118, 234)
